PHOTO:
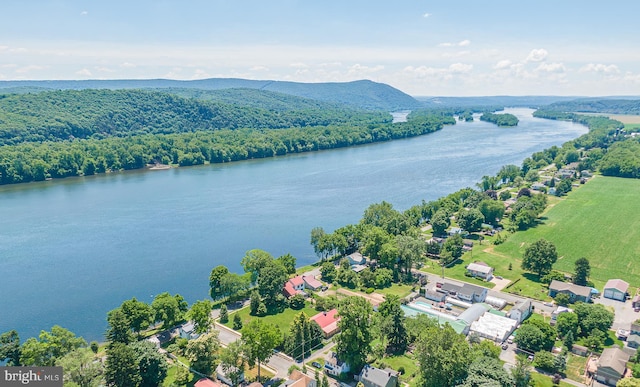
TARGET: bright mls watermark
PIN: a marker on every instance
(31, 376)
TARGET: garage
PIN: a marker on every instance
(616, 289)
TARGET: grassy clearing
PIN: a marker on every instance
(396, 362)
(282, 320)
(399, 290)
(575, 367)
(598, 220)
(545, 381)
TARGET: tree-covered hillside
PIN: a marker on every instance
(591, 105)
(361, 94)
(69, 114)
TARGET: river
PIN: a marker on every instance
(73, 249)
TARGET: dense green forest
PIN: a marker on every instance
(132, 135)
(591, 105)
(72, 114)
(504, 119)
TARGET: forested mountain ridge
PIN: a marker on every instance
(362, 94)
(598, 105)
(69, 114)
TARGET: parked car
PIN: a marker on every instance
(316, 364)
(505, 346)
(510, 339)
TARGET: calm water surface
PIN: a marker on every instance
(73, 249)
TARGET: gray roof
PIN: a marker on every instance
(473, 313)
(522, 305)
(614, 358)
(471, 289)
(376, 375)
(578, 290)
(449, 287)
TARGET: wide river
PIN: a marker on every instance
(73, 249)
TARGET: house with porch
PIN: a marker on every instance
(575, 292)
(612, 365)
(481, 270)
(375, 377)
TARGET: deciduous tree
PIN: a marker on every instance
(203, 353)
(200, 313)
(258, 340)
(582, 271)
(444, 357)
(80, 367)
(10, 348)
(121, 367)
(539, 257)
(353, 344)
(233, 362)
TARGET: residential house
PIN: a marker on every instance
(299, 379)
(293, 286)
(222, 376)
(334, 366)
(481, 270)
(375, 377)
(356, 259)
(310, 282)
(188, 331)
(328, 322)
(472, 293)
(521, 310)
(538, 186)
(467, 244)
(204, 382)
(633, 341)
(575, 292)
(612, 366)
(635, 328)
(616, 289)
(635, 303)
(559, 310)
(579, 350)
(434, 295)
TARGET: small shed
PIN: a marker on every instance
(633, 341)
(616, 289)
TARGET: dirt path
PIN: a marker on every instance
(374, 298)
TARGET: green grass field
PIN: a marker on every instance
(599, 220)
(282, 320)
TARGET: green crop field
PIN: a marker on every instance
(599, 221)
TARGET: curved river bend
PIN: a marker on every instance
(73, 249)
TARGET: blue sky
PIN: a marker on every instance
(425, 48)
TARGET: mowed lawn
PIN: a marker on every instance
(600, 221)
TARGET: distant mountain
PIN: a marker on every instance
(500, 100)
(362, 94)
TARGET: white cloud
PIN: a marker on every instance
(426, 15)
(537, 55)
(127, 65)
(259, 68)
(299, 65)
(461, 68)
(361, 70)
(464, 43)
(600, 68)
(200, 74)
(446, 44)
(30, 68)
(84, 13)
(551, 67)
(84, 72)
(104, 69)
(443, 73)
(503, 64)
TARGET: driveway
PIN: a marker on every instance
(624, 314)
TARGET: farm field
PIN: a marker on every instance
(599, 221)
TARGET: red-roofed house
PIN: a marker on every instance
(310, 282)
(204, 382)
(328, 322)
(294, 286)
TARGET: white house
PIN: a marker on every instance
(335, 366)
(521, 311)
(481, 270)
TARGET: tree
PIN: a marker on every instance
(233, 285)
(628, 382)
(10, 348)
(121, 367)
(328, 271)
(539, 257)
(440, 222)
(487, 371)
(317, 235)
(200, 313)
(325, 381)
(217, 273)
(582, 271)
(484, 349)
(492, 210)
(569, 340)
(353, 344)
(521, 373)
(452, 248)
(410, 251)
(254, 260)
(591, 317)
(203, 353)
(80, 367)
(140, 314)
(470, 220)
(288, 261)
(152, 365)
(94, 347)
(49, 347)
(169, 309)
(232, 361)
(392, 324)
(224, 314)
(304, 335)
(562, 299)
(545, 361)
(595, 340)
(119, 330)
(567, 323)
(237, 322)
(530, 338)
(183, 376)
(254, 302)
(444, 357)
(270, 282)
(258, 340)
